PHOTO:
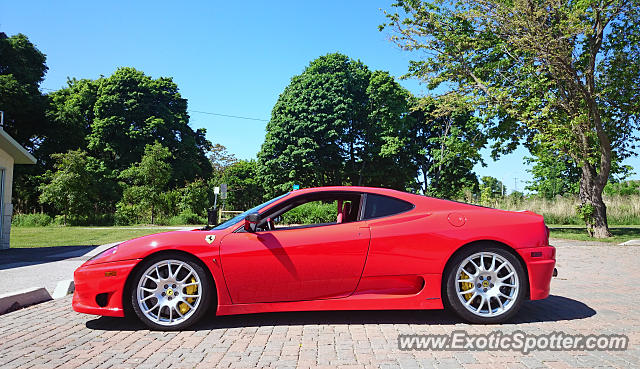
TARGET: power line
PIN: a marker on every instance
(228, 116)
(203, 112)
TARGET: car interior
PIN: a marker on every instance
(347, 207)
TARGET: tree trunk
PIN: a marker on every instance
(152, 215)
(591, 195)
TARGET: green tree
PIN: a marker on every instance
(22, 69)
(559, 72)
(132, 110)
(337, 123)
(244, 188)
(491, 188)
(195, 197)
(447, 144)
(146, 181)
(554, 174)
(70, 188)
(70, 115)
(623, 188)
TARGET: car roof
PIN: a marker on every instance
(379, 190)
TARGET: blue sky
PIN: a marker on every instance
(231, 58)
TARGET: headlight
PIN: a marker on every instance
(108, 252)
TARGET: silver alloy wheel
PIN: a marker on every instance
(487, 284)
(166, 293)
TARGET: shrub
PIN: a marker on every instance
(31, 220)
(311, 213)
(125, 214)
(186, 217)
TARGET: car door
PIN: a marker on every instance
(295, 264)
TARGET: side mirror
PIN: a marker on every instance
(251, 222)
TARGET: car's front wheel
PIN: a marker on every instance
(486, 284)
(170, 292)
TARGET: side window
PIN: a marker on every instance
(312, 210)
(381, 206)
(307, 214)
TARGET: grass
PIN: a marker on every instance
(620, 233)
(23, 237)
(623, 215)
(562, 210)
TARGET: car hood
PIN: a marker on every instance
(138, 248)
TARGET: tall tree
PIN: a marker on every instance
(562, 72)
(448, 139)
(147, 180)
(337, 123)
(244, 187)
(133, 110)
(554, 173)
(22, 69)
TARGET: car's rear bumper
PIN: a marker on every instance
(540, 262)
(99, 287)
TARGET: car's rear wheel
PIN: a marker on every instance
(486, 284)
(170, 292)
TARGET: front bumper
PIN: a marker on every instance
(99, 287)
(541, 262)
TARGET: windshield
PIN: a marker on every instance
(241, 216)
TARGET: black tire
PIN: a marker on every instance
(206, 297)
(454, 302)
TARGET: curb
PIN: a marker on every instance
(63, 288)
(16, 300)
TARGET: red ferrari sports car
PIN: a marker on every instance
(383, 249)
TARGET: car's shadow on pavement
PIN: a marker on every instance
(14, 258)
(554, 308)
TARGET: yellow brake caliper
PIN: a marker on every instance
(191, 290)
(466, 285)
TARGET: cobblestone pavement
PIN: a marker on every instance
(597, 291)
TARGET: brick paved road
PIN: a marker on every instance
(597, 292)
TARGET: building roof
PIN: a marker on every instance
(20, 154)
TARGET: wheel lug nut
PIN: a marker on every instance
(176, 293)
(479, 285)
(480, 279)
(488, 278)
(170, 298)
(491, 285)
(485, 290)
(163, 294)
(166, 286)
(174, 286)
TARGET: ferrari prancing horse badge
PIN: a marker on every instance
(210, 238)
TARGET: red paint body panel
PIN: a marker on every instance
(294, 264)
(393, 262)
(91, 281)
